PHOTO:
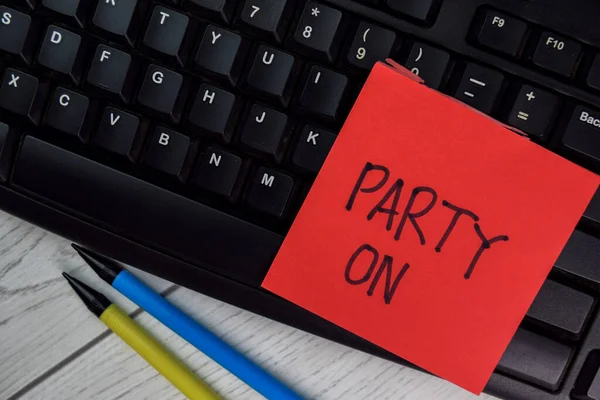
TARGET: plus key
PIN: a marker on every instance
(319, 32)
(533, 111)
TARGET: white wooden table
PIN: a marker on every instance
(52, 347)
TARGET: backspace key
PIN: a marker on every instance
(582, 134)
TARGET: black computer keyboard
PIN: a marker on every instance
(182, 136)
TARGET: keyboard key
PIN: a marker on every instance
(323, 92)
(9, 139)
(60, 52)
(16, 36)
(220, 53)
(593, 78)
(214, 112)
(216, 9)
(561, 309)
(109, 71)
(116, 17)
(270, 192)
(534, 111)
(371, 44)
(579, 260)
(594, 390)
(582, 134)
(270, 74)
(319, 33)
(67, 112)
(75, 10)
(165, 33)
(219, 171)
(22, 94)
(264, 131)
(312, 149)
(535, 359)
(169, 221)
(592, 212)
(167, 152)
(117, 132)
(587, 385)
(479, 87)
(160, 91)
(502, 33)
(265, 16)
(428, 63)
(421, 10)
(557, 54)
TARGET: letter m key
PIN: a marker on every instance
(267, 180)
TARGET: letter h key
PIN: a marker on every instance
(214, 112)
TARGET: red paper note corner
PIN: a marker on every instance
(430, 229)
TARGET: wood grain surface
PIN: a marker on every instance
(52, 347)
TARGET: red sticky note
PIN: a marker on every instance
(430, 229)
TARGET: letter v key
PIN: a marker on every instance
(114, 119)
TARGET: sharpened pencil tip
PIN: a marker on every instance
(77, 247)
(68, 277)
(104, 267)
(94, 301)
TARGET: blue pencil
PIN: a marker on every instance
(190, 330)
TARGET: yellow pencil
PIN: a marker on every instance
(145, 345)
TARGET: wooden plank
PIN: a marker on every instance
(53, 348)
(41, 323)
(317, 368)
